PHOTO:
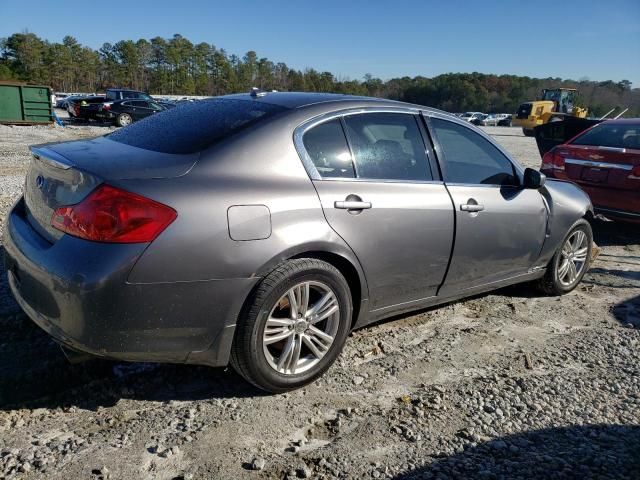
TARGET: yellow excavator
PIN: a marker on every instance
(555, 104)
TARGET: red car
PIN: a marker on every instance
(605, 161)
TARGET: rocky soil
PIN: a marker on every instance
(510, 385)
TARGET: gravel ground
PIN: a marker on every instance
(501, 386)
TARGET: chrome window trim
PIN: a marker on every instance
(301, 129)
(380, 180)
(483, 185)
(589, 163)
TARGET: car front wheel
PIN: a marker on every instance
(294, 326)
(571, 261)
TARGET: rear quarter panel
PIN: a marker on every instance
(257, 167)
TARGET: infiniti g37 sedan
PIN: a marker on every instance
(260, 229)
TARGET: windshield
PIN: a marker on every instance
(193, 126)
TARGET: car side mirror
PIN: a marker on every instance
(533, 179)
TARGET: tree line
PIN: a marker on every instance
(177, 66)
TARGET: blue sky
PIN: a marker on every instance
(559, 38)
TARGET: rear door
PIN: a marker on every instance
(379, 194)
(500, 226)
(139, 109)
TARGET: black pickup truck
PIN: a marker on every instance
(86, 108)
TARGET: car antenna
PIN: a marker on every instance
(258, 92)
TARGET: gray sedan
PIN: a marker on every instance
(260, 229)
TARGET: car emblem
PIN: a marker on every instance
(595, 156)
(40, 181)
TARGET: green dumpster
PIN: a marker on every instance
(25, 104)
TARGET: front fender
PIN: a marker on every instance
(567, 203)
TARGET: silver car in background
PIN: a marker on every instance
(260, 229)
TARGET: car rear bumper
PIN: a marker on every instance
(105, 115)
(77, 291)
(622, 215)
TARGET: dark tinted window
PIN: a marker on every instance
(387, 146)
(470, 158)
(193, 126)
(327, 147)
(611, 135)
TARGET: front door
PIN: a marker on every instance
(500, 226)
(378, 194)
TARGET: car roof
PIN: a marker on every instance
(623, 121)
(295, 100)
(300, 99)
(125, 89)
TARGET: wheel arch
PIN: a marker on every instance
(344, 260)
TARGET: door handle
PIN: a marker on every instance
(352, 205)
(471, 207)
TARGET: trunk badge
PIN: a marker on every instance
(40, 181)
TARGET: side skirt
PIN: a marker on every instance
(385, 312)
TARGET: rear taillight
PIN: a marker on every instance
(112, 215)
(552, 160)
(635, 172)
(106, 106)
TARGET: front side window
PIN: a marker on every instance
(328, 149)
(387, 146)
(470, 158)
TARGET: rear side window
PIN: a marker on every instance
(611, 135)
(194, 126)
(387, 146)
(470, 158)
(328, 149)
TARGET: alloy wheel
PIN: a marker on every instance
(573, 257)
(301, 327)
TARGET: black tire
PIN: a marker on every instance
(551, 284)
(247, 354)
(123, 120)
(528, 132)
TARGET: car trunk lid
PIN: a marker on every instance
(64, 174)
(616, 168)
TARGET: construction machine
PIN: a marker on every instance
(555, 104)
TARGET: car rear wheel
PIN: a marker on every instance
(571, 261)
(123, 120)
(294, 326)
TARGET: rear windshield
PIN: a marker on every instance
(192, 127)
(618, 135)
